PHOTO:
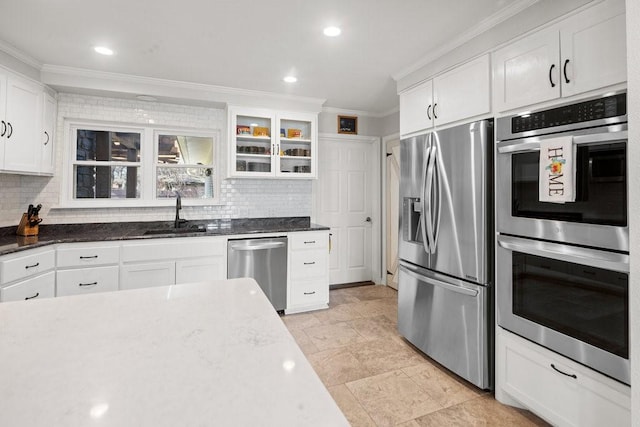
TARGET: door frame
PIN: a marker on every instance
(383, 203)
(377, 260)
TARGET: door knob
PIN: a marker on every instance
(368, 219)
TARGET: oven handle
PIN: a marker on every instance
(591, 257)
(515, 146)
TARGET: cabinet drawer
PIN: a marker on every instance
(148, 275)
(309, 293)
(308, 264)
(314, 240)
(86, 280)
(83, 255)
(26, 266)
(176, 248)
(37, 287)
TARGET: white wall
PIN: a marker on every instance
(367, 125)
(633, 96)
(239, 197)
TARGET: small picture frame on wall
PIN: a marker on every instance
(348, 124)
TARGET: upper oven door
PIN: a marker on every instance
(597, 218)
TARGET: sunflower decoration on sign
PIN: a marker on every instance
(555, 167)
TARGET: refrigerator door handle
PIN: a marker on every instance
(436, 183)
(425, 206)
(438, 283)
(428, 196)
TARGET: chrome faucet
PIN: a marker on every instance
(178, 220)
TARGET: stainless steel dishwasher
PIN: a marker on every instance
(265, 260)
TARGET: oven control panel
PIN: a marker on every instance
(596, 109)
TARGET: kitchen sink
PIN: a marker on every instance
(175, 231)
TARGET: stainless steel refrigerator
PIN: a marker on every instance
(446, 248)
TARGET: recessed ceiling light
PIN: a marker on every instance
(102, 50)
(332, 31)
(290, 79)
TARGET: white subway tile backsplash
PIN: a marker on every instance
(239, 198)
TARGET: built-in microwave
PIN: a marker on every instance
(572, 300)
(599, 215)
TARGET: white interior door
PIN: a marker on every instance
(345, 200)
(392, 210)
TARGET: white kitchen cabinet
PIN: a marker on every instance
(38, 286)
(555, 388)
(583, 53)
(21, 265)
(160, 262)
(308, 271)
(87, 268)
(457, 94)
(272, 144)
(47, 137)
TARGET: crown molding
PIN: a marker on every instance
(103, 81)
(484, 25)
(334, 110)
(19, 55)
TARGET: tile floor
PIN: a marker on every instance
(378, 379)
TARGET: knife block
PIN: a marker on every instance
(25, 229)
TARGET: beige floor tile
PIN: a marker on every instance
(371, 292)
(351, 408)
(338, 297)
(340, 313)
(377, 307)
(442, 386)
(337, 366)
(385, 354)
(481, 411)
(300, 321)
(334, 335)
(304, 342)
(392, 398)
(376, 327)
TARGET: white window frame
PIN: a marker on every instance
(147, 165)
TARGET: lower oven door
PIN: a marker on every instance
(571, 300)
(448, 319)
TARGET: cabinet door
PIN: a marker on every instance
(42, 286)
(594, 53)
(23, 151)
(296, 152)
(47, 137)
(135, 276)
(199, 270)
(416, 107)
(252, 143)
(528, 71)
(462, 92)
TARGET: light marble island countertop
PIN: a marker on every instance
(201, 354)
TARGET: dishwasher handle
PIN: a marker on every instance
(256, 246)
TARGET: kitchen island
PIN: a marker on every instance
(210, 353)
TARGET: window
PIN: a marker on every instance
(128, 166)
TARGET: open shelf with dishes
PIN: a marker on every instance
(272, 144)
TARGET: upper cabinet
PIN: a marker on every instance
(580, 54)
(267, 144)
(458, 94)
(24, 110)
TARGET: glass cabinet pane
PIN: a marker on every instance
(295, 146)
(107, 146)
(253, 144)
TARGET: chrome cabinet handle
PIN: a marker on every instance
(34, 296)
(88, 284)
(564, 70)
(574, 376)
(31, 266)
(428, 112)
(550, 77)
(47, 134)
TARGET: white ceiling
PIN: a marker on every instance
(249, 44)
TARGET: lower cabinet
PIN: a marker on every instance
(147, 275)
(42, 286)
(308, 274)
(86, 280)
(555, 388)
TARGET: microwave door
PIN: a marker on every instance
(459, 201)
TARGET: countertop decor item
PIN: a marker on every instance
(348, 124)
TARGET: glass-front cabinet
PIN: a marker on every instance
(267, 144)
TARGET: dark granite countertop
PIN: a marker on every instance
(109, 231)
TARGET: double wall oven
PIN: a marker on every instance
(562, 269)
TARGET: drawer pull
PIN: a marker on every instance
(89, 257)
(309, 242)
(309, 263)
(35, 296)
(310, 293)
(31, 266)
(88, 284)
(574, 376)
